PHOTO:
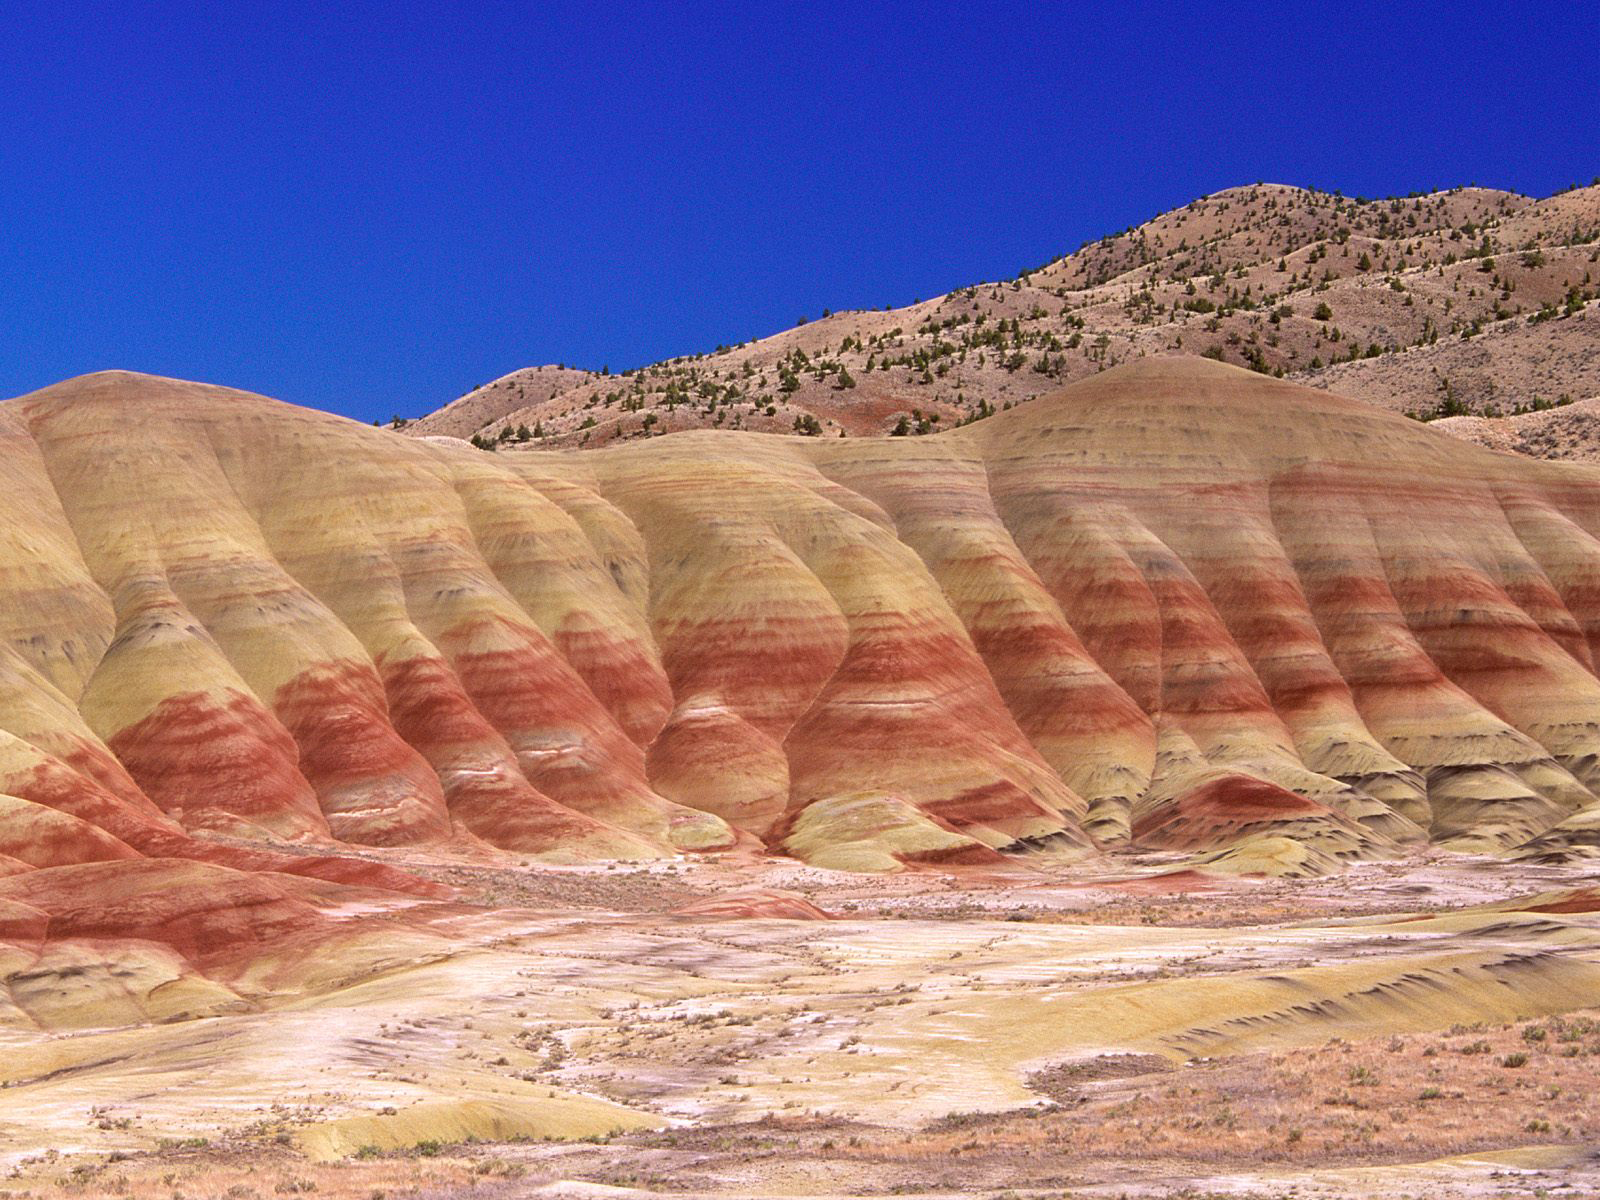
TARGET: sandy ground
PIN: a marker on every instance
(1114, 1027)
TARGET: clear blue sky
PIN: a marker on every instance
(373, 207)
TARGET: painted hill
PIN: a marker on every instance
(1470, 301)
(250, 650)
(1126, 607)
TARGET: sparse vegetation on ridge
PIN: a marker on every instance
(1375, 298)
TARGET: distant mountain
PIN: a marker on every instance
(1468, 301)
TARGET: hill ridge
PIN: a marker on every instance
(1394, 275)
(591, 572)
(262, 668)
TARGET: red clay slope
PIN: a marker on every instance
(1177, 601)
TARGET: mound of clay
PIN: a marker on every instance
(560, 1116)
(759, 904)
(1177, 603)
(1277, 857)
(872, 832)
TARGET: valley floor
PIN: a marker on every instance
(1124, 1026)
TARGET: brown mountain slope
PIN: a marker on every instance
(1512, 364)
(1569, 432)
(527, 388)
(1412, 304)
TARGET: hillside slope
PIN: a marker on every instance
(261, 621)
(243, 640)
(1465, 301)
(1570, 432)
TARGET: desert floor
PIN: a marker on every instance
(1120, 1027)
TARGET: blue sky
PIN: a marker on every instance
(371, 208)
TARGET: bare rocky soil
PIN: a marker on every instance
(1119, 1026)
